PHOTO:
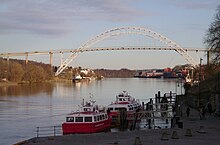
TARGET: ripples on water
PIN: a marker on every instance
(24, 107)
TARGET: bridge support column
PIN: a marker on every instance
(51, 58)
(208, 57)
(7, 77)
(7, 61)
(51, 62)
(61, 57)
(26, 58)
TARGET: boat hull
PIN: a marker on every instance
(92, 127)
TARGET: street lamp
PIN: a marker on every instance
(200, 73)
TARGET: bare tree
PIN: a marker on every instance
(212, 38)
(34, 73)
(15, 72)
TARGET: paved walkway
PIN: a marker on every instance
(210, 135)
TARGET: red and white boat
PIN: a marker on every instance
(123, 102)
(89, 120)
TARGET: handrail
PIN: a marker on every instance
(49, 131)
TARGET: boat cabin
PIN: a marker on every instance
(123, 98)
(128, 107)
(86, 118)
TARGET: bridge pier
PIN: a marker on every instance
(208, 57)
(51, 58)
(61, 57)
(8, 61)
(7, 77)
(26, 57)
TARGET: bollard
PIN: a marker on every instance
(137, 141)
(171, 123)
(177, 119)
(201, 130)
(175, 135)
(164, 136)
(188, 132)
(180, 124)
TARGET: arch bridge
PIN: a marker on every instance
(89, 46)
(170, 45)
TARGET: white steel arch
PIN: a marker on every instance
(126, 31)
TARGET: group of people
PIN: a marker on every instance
(202, 110)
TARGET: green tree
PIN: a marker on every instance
(212, 38)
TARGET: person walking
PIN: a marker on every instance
(203, 112)
(200, 113)
(187, 111)
(209, 106)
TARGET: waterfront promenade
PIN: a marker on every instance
(153, 137)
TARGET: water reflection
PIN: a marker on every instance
(24, 107)
(27, 89)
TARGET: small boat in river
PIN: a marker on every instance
(90, 119)
(77, 79)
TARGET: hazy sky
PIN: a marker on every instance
(35, 25)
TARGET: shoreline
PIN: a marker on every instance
(193, 123)
(8, 83)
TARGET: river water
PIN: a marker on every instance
(25, 107)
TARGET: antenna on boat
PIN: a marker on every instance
(83, 102)
(91, 98)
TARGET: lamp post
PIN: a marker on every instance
(200, 73)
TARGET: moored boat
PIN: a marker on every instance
(77, 78)
(123, 102)
(89, 119)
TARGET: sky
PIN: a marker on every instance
(43, 25)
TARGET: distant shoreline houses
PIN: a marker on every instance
(85, 75)
(162, 73)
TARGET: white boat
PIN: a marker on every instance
(77, 78)
(123, 102)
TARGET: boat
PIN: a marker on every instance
(90, 119)
(77, 78)
(123, 102)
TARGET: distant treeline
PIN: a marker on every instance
(122, 73)
(18, 71)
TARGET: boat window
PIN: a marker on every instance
(88, 119)
(70, 119)
(110, 108)
(79, 119)
(131, 108)
(106, 116)
(116, 108)
(99, 117)
(103, 116)
(95, 118)
(120, 99)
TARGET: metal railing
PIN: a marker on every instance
(48, 131)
